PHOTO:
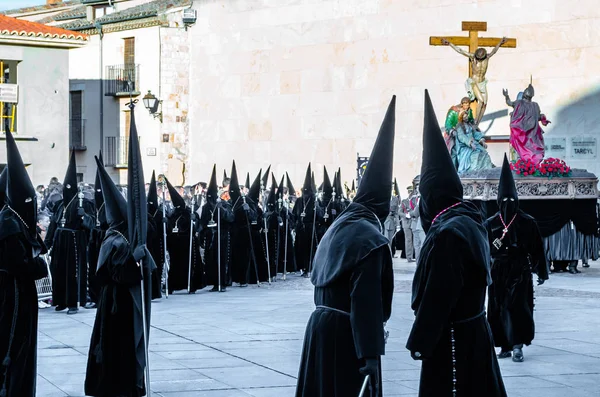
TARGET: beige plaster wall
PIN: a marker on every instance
(291, 81)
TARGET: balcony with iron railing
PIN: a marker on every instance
(115, 151)
(77, 134)
(122, 80)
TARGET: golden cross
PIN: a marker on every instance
(473, 41)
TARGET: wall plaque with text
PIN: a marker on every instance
(584, 147)
(556, 147)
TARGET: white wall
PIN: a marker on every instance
(42, 111)
(287, 82)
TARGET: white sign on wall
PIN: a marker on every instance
(555, 147)
(583, 147)
(9, 93)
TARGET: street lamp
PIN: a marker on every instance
(151, 103)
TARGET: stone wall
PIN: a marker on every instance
(175, 78)
(291, 81)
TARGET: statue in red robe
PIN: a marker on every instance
(526, 135)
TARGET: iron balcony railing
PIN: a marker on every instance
(77, 134)
(122, 80)
(115, 151)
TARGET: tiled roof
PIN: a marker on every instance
(42, 7)
(17, 27)
(147, 10)
(73, 13)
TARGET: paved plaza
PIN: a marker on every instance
(247, 342)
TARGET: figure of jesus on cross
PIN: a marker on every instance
(476, 83)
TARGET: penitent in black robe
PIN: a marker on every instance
(178, 244)
(448, 299)
(156, 247)
(113, 367)
(242, 257)
(510, 301)
(18, 307)
(96, 237)
(306, 231)
(69, 253)
(260, 249)
(354, 284)
(210, 237)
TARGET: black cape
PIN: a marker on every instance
(306, 219)
(178, 244)
(448, 297)
(18, 306)
(156, 246)
(210, 241)
(113, 367)
(243, 256)
(354, 284)
(510, 299)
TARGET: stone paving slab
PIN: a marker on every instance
(248, 342)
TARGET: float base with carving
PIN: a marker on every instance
(564, 207)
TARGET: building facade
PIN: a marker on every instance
(34, 94)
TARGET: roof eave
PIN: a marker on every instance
(42, 42)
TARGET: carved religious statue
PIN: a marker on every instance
(465, 141)
(476, 84)
(526, 135)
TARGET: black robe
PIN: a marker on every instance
(260, 249)
(18, 308)
(354, 283)
(510, 300)
(210, 239)
(96, 237)
(306, 232)
(449, 289)
(178, 244)
(243, 256)
(69, 253)
(156, 246)
(114, 367)
(286, 260)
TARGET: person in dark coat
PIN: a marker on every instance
(450, 333)
(273, 224)
(156, 237)
(354, 283)
(96, 237)
(243, 260)
(217, 216)
(68, 238)
(517, 250)
(113, 367)
(181, 223)
(306, 218)
(285, 248)
(20, 266)
(257, 231)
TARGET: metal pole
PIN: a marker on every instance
(166, 264)
(191, 246)
(312, 235)
(267, 249)
(364, 386)
(219, 241)
(285, 249)
(143, 293)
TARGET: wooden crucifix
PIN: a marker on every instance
(478, 58)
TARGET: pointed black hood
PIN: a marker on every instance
(254, 190)
(272, 198)
(70, 181)
(3, 177)
(353, 187)
(247, 183)
(396, 188)
(20, 194)
(440, 186)
(314, 184)
(212, 191)
(291, 189)
(339, 190)
(234, 187)
(224, 175)
(508, 198)
(280, 188)
(327, 187)
(152, 197)
(98, 197)
(265, 178)
(176, 199)
(307, 187)
(374, 189)
(114, 202)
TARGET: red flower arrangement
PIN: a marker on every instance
(550, 167)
